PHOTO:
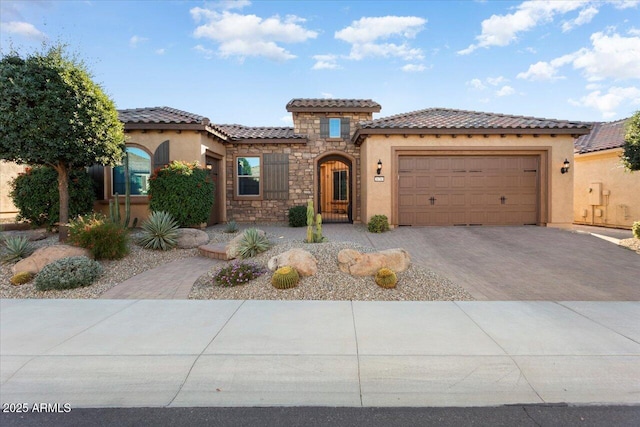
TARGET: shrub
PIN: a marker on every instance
(231, 227)
(160, 231)
(105, 239)
(636, 229)
(68, 273)
(378, 224)
(297, 216)
(285, 278)
(35, 194)
(17, 247)
(252, 243)
(21, 278)
(386, 278)
(183, 190)
(238, 273)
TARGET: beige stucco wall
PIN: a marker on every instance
(618, 209)
(559, 187)
(185, 145)
(8, 171)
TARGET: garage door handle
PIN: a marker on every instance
(432, 200)
(503, 200)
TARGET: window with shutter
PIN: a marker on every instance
(276, 176)
(335, 127)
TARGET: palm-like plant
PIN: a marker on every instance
(252, 243)
(160, 231)
(18, 247)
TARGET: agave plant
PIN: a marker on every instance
(18, 247)
(252, 243)
(231, 227)
(160, 231)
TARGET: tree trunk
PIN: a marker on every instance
(63, 190)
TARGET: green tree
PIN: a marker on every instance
(631, 155)
(52, 113)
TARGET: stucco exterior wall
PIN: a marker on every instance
(618, 203)
(8, 172)
(185, 145)
(558, 192)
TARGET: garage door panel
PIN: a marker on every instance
(491, 190)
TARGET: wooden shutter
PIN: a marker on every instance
(344, 128)
(275, 176)
(324, 127)
(96, 172)
(161, 156)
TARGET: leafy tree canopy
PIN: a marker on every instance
(51, 112)
(631, 155)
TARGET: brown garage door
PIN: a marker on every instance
(467, 190)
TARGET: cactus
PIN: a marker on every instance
(114, 205)
(318, 234)
(314, 225)
(285, 278)
(21, 278)
(386, 278)
(310, 214)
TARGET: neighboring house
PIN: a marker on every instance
(429, 167)
(8, 171)
(605, 193)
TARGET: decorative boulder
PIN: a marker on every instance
(189, 238)
(233, 246)
(43, 256)
(301, 260)
(367, 264)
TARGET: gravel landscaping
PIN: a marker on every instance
(415, 284)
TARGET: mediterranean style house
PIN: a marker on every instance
(429, 167)
(605, 193)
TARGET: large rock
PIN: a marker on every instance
(189, 238)
(301, 260)
(233, 245)
(367, 264)
(47, 255)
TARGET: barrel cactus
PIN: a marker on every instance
(386, 278)
(21, 278)
(285, 278)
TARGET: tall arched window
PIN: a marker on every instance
(139, 173)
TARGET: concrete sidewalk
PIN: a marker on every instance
(165, 353)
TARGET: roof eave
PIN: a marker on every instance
(333, 109)
(362, 133)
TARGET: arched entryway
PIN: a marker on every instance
(335, 183)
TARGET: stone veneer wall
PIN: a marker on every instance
(301, 169)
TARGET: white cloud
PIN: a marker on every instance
(502, 30)
(505, 91)
(207, 53)
(476, 84)
(161, 51)
(634, 32)
(624, 4)
(288, 119)
(414, 68)
(23, 29)
(495, 81)
(325, 62)
(134, 41)
(607, 103)
(365, 35)
(611, 56)
(250, 35)
(327, 95)
(584, 17)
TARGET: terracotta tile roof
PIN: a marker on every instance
(328, 104)
(158, 115)
(441, 118)
(603, 136)
(238, 132)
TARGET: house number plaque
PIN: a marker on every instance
(378, 179)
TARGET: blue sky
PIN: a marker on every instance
(242, 61)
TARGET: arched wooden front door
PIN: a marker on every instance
(334, 189)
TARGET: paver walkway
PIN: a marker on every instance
(170, 281)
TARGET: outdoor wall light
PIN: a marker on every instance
(380, 167)
(565, 167)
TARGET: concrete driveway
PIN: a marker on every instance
(522, 263)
